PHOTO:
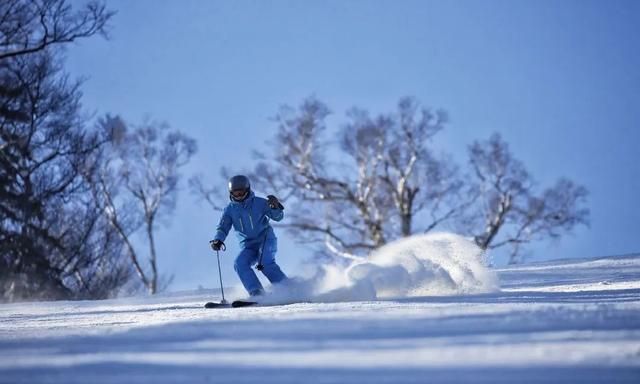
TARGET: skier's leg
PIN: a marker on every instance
(247, 276)
(270, 269)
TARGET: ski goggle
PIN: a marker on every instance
(239, 193)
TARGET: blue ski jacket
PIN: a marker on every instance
(250, 219)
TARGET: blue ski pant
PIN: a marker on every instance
(249, 257)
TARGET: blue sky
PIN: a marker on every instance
(560, 80)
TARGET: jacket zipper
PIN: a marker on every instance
(241, 226)
(251, 221)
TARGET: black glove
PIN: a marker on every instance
(217, 245)
(274, 202)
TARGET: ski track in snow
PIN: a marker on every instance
(573, 321)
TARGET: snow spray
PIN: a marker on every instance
(435, 264)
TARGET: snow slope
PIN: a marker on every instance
(572, 321)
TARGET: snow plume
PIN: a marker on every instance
(422, 265)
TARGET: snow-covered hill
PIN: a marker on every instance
(570, 321)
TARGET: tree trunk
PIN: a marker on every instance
(406, 219)
(493, 227)
(153, 282)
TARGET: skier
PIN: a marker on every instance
(250, 217)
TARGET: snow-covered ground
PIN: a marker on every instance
(575, 321)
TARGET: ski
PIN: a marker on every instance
(241, 303)
(235, 304)
(212, 304)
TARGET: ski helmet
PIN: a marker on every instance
(239, 188)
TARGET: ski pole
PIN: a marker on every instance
(220, 275)
(260, 267)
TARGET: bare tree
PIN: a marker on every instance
(354, 194)
(377, 179)
(51, 239)
(138, 186)
(512, 213)
(30, 26)
(417, 179)
(49, 229)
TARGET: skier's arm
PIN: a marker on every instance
(275, 210)
(275, 214)
(223, 227)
